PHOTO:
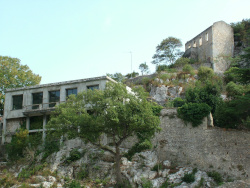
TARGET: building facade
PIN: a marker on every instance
(214, 45)
(30, 107)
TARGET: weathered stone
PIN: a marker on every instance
(152, 175)
(166, 163)
(40, 178)
(51, 179)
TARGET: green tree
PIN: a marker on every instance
(13, 74)
(238, 75)
(134, 74)
(113, 111)
(143, 67)
(242, 32)
(117, 77)
(167, 51)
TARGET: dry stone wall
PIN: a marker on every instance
(208, 148)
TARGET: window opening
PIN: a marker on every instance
(71, 92)
(54, 96)
(93, 87)
(194, 44)
(17, 102)
(200, 41)
(206, 36)
(37, 99)
(36, 122)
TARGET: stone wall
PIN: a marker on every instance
(208, 148)
(12, 126)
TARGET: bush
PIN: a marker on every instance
(181, 61)
(233, 113)
(188, 178)
(178, 102)
(207, 92)
(234, 89)
(157, 167)
(216, 176)
(73, 156)
(146, 183)
(205, 73)
(194, 112)
(73, 184)
(166, 68)
(156, 109)
(17, 145)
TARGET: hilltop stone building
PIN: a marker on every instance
(212, 46)
(30, 107)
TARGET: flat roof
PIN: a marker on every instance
(61, 83)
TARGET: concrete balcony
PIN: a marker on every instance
(40, 109)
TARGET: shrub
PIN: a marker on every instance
(233, 113)
(178, 102)
(234, 89)
(17, 145)
(188, 178)
(205, 73)
(194, 112)
(83, 173)
(216, 176)
(164, 76)
(157, 167)
(146, 183)
(207, 92)
(166, 68)
(73, 156)
(156, 109)
(73, 184)
(181, 61)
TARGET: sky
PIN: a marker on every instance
(65, 40)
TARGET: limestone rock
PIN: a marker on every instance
(40, 178)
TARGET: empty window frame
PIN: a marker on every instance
(17, 102)
(54, 96)
(37, 99)
(206, 36)
(72, 91)
(36, 122)
(194, 44)
(189, 46)
(200, 41)
(93, 87)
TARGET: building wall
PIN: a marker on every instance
(12, 118)
(208, 148)
(223, 45)
(203, 47)
(214, 45)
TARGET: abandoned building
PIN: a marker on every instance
(30, 107)
(212, 47)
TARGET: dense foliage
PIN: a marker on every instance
(242, 32)
(167, 51)
(13, 75)
(194, 112)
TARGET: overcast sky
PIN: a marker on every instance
(73, 39)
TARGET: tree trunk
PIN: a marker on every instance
(117, 166)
